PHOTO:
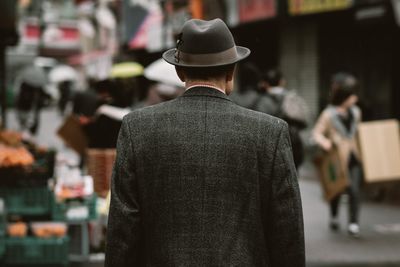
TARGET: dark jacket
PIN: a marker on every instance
(201, 181)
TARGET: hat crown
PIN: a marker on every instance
(205, 37)
(205, 44)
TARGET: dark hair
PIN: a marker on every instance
(249, 76)
(123, 92)
(205, 73)
(102, 86)
(272, 77)
(344, 85)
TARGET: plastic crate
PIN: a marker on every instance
(35, 175)
(27, 201)
(2, 245)
(79, 246)
(100, 163)
(2, 229)
(2, 216)
(64, 211)
(37, 251)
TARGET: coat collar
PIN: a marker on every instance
(205, 91)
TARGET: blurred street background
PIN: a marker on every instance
(71, 69)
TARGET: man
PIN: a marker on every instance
(199, 180)
(287, 105)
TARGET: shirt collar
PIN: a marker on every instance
(204, 91)
(207, 86)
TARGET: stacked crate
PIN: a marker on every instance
(28, 197)
(77, 213)
(2, 230)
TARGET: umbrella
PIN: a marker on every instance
(63, 73)
(162, 72)
(106, 18)
(126, 70)
(34, 76)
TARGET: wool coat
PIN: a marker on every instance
(329, 126)
(201, 181)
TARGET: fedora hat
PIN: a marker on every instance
(205, 43)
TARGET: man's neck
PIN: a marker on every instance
(210, 84)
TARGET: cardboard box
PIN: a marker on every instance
(333, 176)
(73, 135)
(100, 163)
(380, 150)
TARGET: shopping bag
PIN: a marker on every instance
(73, 135)
(332, 174)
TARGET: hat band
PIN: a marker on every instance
(226, 56)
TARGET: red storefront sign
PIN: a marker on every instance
(251, 10)
(65, 37)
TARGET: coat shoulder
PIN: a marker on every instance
(147, 111)
(268, 120)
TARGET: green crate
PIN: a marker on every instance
(37, 251)
(2, 245)
(27, 201)
(62, 210)
(2, 216)
(79, 243)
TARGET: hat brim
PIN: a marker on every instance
(242, 53)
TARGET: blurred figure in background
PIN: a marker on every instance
(247, 95)
(85, 103)
(30, 100)
(113, 103)
(287, 105)
(157, 93)
(65, 92)
(336, 128)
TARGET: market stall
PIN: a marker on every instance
(44, 215)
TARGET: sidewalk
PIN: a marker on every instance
(379, 244)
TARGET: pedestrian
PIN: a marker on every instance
(337, 128)
(65, 91)
(29, 103)
(103, 127)
(199, 180)
(287, 105)
(247, 95)
(86, 102)
(158, 93)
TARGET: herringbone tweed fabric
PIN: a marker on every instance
(201, 181)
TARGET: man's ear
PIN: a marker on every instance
(180, 73)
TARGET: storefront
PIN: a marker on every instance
(363, 41)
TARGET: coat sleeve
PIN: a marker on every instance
(285, 230)
(320, 129)
(124, 233)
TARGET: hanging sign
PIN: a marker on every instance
(251, 10)
(302, 7)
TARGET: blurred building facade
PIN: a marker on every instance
(311, 40)
(308, 40)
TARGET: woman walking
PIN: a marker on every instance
(336, 128)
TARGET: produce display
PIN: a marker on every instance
(49, 229)
(15, 156)
(18, 229)
(33, 191)
(23, 163)
(10, 138)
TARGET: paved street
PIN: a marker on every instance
(379, 244)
